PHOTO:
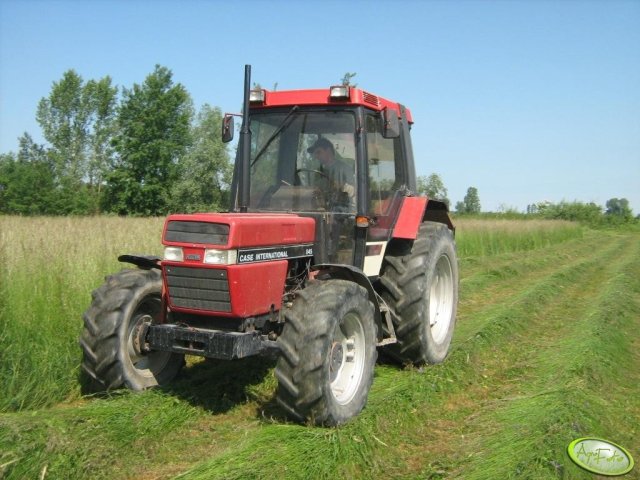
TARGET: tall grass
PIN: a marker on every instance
(477, 237)
(48, 268)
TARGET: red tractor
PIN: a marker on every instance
(325, 255)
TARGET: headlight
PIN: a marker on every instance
(173, 254)
(220, 257)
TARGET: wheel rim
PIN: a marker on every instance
(347, 358)
(441, 299)
(146, 364)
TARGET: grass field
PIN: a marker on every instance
(546, 350)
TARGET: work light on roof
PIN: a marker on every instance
(339, 92)
(257, 96)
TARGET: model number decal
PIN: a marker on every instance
(267, 254)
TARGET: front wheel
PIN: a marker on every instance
(328, 353)
(114, 326)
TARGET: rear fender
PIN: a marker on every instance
(414, 211)
(438, 211)
(352, 274)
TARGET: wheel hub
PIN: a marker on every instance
(139, 335)
(347, 361)
(337, 356)
(441, 300)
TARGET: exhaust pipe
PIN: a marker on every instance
(245, 145)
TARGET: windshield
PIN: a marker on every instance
(303, 161)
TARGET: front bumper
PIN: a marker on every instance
(207, 343)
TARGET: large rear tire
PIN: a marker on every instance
(328, 353)
(421, 288)
(113, 330)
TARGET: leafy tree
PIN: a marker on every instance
(617, 212)
(532, 209)
(103, 102)
(574, 211)
(153, 132)
(204, 173)
(64, 118)
(26, 180)
(470, 203)
(472, 200)
(433, 187)
(619, 208)
(77, 120)
(7, 166)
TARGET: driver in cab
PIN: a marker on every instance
(339, 174)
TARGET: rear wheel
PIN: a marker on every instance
(114, 327)
(421, 288)
(328, 353)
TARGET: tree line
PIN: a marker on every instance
(143, 150)
(433, 187)
(615, 212)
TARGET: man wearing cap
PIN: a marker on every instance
(338, 172)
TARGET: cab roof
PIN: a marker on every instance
(322, 96)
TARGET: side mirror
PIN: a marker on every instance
(390, 123)
(227, 128)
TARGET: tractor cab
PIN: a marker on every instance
(337, 155)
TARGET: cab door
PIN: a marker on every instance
(386, 187)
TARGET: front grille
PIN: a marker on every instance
(198, 288)
(197, 232)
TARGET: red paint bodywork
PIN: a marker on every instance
(254, 288)
(321, 97)
(253, 230)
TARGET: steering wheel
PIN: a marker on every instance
(311, 170)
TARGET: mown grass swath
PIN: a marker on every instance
(570, 376)
(545, 351)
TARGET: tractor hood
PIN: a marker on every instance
(237, 230)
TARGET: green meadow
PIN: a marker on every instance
(546, 350)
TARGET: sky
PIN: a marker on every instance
(527, 101)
